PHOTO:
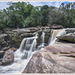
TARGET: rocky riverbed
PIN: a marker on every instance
(56, 58)
(11, 38)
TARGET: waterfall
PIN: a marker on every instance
(21, 56)
(27, 48)
(22, 44)
(33, 47)
(49, 40)
(43, 41)
(56, 33)
(28, 45)
(43, 37)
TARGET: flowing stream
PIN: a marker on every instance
(27, 48)
(43, 40)
(56, 33)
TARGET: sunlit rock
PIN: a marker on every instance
(68, 37)
(44, 61)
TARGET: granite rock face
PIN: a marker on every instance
(51, 60)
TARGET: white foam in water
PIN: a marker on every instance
(54, 35)
(19, 62)
(43, 37)
(32, 47)
(25, 52)
(43, 41)
(18, 66)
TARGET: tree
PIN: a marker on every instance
(3, 18)
(44, 15)
(23, 14)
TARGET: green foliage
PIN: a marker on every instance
(2, 20)
(27, 22)
(36, 16)
(44, 15)
(23, 14)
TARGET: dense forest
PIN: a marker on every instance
(23, 14)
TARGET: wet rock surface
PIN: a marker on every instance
(57, 58)
(13, 37)
(8, 57)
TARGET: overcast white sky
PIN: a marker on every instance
(3, 4)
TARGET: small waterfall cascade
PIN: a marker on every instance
(43, 37)
(49, 40)
(33, 47)
(43, 40)
(21, 56)
(28, 45)
(27, 48)
(56, 33)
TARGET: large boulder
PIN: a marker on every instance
(44, 61)
(54, 26)
(68, 37)
(8, 57)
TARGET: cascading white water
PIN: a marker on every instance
(27, 45)
(26, 50)
(56, 33)
(43, 41)
(43, 37)
(21, 56)
(22, 44)
(49, 40)
(32, 48)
